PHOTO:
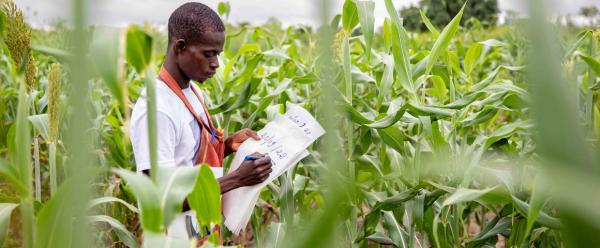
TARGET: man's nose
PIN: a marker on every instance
(214, 63)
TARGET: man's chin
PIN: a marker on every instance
(201, 79)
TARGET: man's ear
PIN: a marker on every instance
(179, 45)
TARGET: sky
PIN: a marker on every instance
(124, 12)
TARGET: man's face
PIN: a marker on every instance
(199, 60)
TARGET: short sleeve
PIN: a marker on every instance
(166, 138)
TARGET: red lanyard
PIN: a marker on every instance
(172, 84)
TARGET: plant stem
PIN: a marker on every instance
(151, 106)
(52, 164)
(36, 168)
(26, 207)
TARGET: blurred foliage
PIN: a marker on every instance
(440, 12)
(456, 137)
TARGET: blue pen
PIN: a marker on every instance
(250, 158)
(212, 136)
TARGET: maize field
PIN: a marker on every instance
(455, 137)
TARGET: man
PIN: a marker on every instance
(186, 135)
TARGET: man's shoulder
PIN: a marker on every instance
(167, 101)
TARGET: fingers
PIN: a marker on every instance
(266, 173)
(252, 134)
(263, 160)
(257, 154)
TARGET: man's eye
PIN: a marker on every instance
(210, 54)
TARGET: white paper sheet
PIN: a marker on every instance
(285, 140)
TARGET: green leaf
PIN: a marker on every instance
(159, 240)
(174, 184)
(2, 23)
(507, 131)
(393, 137)
(400, 47)
(54, 227)
(491, 230)
(396, 201)
(138, 48)
(439, 88)
(61, 55)
(105, 53)
(466, 195)
(121, 231)
(472, 57)
(543, 218)
(384, 122)
(418, 110)
(238, 100)
(205, 198)
(367, 21)
(224, 8)
(264, 103)
(275, 234)
(581, 38)
(40, 123)
(395, 230)
(349, 16)
(536, 203)
(11, 174)
(110, 199)
(592, 63)
(386, 32)
(386, 80)
(463, 102)
(428, 24)
(23, 142)
(249, 48)
(146, 193)
(442, 42)
(380, 238)
(482, 116)
(5, 212)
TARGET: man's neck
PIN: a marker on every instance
(176, 73)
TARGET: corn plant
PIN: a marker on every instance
(453, 137)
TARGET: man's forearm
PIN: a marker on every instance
(228, 182)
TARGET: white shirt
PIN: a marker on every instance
(177, 132)
(178, 138)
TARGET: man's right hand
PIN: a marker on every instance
(253, 172)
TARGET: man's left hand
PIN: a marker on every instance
(234, 141)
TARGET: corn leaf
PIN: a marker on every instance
(109, 199)
(138, 48)
(59, 54)
(5, 212)
(159, 240)
(400, 46)
(148, 198)
(106, 53)
(592, 63)
(428, 24)
(205, 198)
(40, 123)
(119, 229)
(442, 42)
(367, 22)
(349, 16)
(174, 184)
(54, 226)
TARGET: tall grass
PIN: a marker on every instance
(457, 137)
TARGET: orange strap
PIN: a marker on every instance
(212, 144)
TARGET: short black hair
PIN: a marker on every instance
(192, 19)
